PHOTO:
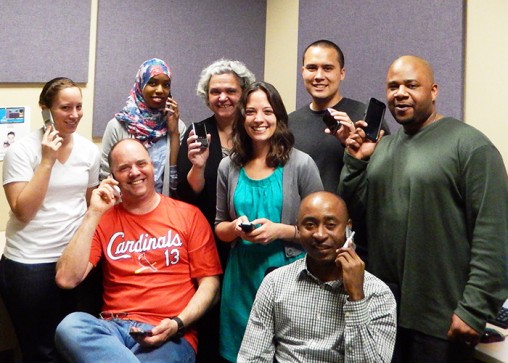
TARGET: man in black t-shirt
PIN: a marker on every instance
(322, 72)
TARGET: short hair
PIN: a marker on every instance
(324, 43)
(110, 159)
(282, 140)
(223, 66)
(52, 88)
(11, 133)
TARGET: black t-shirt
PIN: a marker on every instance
(326, 150)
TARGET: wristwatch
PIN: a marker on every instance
(181, 327)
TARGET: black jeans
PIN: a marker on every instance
(36, 305)
(416, 347)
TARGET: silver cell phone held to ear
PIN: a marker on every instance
(116, 191)
(47, 117)
(349, 238)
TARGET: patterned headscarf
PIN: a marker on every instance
(146, 124)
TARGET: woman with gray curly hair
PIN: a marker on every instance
(221, 85)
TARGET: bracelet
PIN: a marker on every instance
(296, 232)
(181, 327)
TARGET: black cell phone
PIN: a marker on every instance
(247, 227)
(47, 117)
(200, 130)
(374, 117)
(331, 122)
(140, 333)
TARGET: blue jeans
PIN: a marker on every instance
(81, 337)
(36, 306)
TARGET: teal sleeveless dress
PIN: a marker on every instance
(248, 262)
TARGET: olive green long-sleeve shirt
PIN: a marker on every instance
(436, 206)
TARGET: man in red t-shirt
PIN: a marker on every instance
(160, 269)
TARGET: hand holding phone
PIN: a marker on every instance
(47, 117)
(330, 122)
(374, 118)
(200, 131)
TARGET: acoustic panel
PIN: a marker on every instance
(44, 39)
(373, 33)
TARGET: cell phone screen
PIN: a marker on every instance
(200, 131)
(374, 117)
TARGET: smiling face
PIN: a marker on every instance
(322, 221)
(156, 91)
(260, 120)
(411, 92)
(224, 93)
(133, 169)
(322, 74)
(67, 110)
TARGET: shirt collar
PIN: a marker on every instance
(304, 273)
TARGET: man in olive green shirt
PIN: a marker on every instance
(435, 198)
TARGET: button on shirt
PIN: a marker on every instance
(298, 318)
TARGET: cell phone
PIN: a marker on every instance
(140, 333)
(374, 117)
(331, 122)
(117, 191)
(247, 227)
(200, 130)
(47, 117)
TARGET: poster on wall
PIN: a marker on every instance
(14, 124)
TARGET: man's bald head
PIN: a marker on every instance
(323, 201)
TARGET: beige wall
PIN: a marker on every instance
(486, 75)
(486, 86)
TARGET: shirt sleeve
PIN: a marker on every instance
(108, 140)
(485, 186)
(93, 176)
(257, 344)
(18, 164)
(309, 180)
(203, 255)
(353, 185)
(222, 192)
(370, 327)
(183, 165)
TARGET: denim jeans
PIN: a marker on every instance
(36, 306)
(81, 337)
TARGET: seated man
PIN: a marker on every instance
(160, 269)
(324, 307)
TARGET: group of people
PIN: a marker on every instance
(246, 240)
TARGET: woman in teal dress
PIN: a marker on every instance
(262, 182)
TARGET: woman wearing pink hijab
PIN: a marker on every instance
(150, 115)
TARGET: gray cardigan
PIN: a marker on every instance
(300, 177)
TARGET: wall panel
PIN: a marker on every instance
(189, 35)
(43, 39)
(373, 33)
